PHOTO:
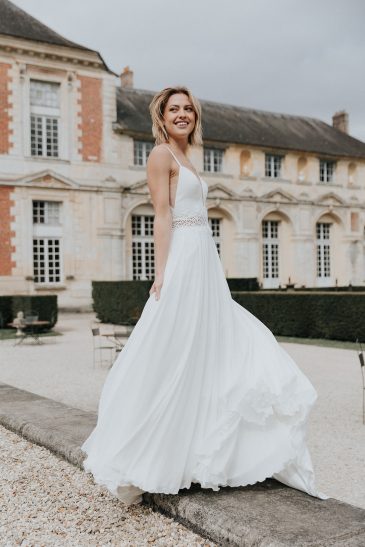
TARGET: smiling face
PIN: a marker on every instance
(179, 116)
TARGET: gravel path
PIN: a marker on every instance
(45, 501)
(62, 370)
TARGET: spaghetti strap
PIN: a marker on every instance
(173, 155)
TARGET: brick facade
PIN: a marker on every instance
(5, 104)
(6, 248)
(91, 118)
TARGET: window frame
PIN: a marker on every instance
(142, 245)
(145, 152)
(47, 265)
(216, 233)
(209, 160)
(270, 167)
(323, 251)
(324, 176)
(48, 118)
(270, 252)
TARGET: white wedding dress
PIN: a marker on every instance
(202, 391)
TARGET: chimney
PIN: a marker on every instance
(126, 78)
(340, 121)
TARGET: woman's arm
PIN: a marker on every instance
(158, 177)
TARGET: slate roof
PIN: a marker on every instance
(18, 23)
(223, 123)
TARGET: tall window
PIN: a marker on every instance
(326, 170)
(273, 164)
(142, 247)
(44, 118)
(142, 150)
(215, 225)
(47, 242)
(270, 252)
(213, 160)
(323, 250)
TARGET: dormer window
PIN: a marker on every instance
(44, 118)
(326, 170)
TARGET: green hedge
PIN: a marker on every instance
(243, 283)
(308, 314)
(45, 306)
(331, 315)
(120, 302)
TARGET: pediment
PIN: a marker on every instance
(248, 193)
(279, 195)
(49, 179)
(219, 190)
(330, 199)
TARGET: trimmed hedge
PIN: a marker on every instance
(45, 306)
(120, 302)
(243, 283)
(308, 314)
(331, 315)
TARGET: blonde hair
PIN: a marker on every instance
(157, 108)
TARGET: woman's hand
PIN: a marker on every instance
(156, 287)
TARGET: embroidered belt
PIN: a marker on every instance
(196, 220)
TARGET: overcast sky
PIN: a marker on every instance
(304, 57)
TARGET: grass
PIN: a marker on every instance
(323, 342)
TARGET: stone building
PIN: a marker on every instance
(286, 193)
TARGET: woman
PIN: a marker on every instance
(201, 392)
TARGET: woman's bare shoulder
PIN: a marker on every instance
(159, 157)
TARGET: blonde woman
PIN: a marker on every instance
(202, 392)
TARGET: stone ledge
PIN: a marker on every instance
(267, 514)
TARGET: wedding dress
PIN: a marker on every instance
(202, 391)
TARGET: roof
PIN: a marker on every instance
(223, 123)
(18, 23)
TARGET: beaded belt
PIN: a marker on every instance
(197, 220)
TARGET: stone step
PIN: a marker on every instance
(267, 514)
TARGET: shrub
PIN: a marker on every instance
(331, 315)
(120, 302)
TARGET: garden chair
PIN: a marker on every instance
(100, 346)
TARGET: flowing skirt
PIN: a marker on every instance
(201, 392)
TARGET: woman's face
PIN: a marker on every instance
(179, 116)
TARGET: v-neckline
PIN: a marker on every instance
(195, 174)
(179, 183)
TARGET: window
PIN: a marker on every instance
(142, 150)
(270, 252)
(215, 225)
(44, 118)
(323, 250)
(46, 260)
(273, 165)
(47, 237)
(142, 247)
(326, 170)
(213, 160)
(46, 212)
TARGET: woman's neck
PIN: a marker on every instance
(182, 145)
